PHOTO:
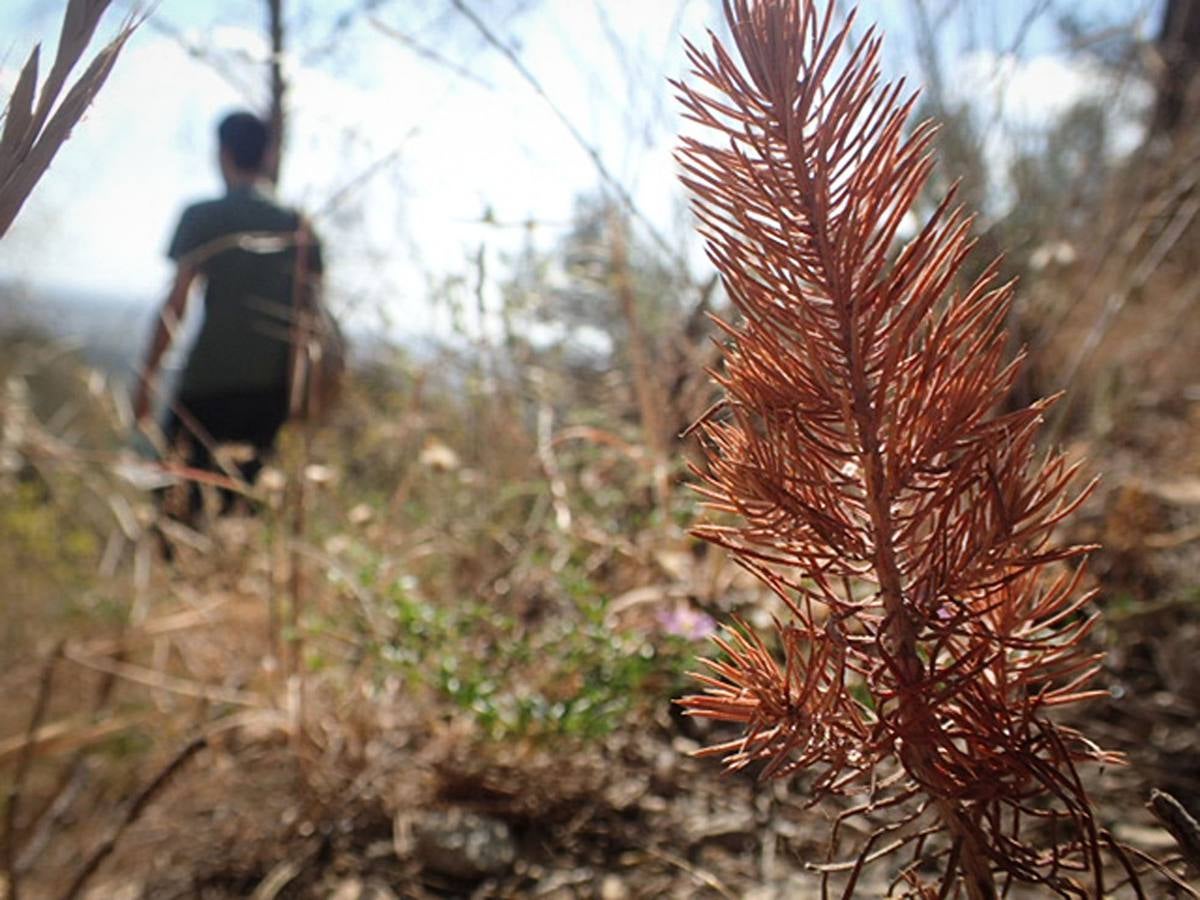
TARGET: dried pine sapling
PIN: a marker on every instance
(905, 522)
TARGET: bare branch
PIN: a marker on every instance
(606, 175)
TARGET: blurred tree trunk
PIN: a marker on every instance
(1179, 48)
(278, 86)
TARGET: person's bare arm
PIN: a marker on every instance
(165, 327)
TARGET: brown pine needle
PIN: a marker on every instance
(862, 468)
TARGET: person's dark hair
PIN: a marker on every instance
(245, 137)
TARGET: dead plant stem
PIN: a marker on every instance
(13, 803)
(1179, 822)
(294, 680)
(134, 812)
(646, 387)
(278, 85)
(902, 633)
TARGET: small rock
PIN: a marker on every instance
(652, 803)
(354, 889)
(802, 886)
(379, 892)
(1146, 837)
(733, 826)
(380, 850)
(463, 845)
(438, 456)
(128, 890)
(272, 480)
(684, 746)
(613, 888)
(565, 884)
(625, 793)
(318, 474)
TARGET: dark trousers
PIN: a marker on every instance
(198, 424)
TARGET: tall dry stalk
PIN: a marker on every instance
(279, 86)
(905, 524)
(646, 388)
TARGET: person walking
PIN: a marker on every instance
(249, 251)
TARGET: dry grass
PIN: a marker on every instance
(37, 124)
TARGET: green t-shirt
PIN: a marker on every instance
(243, 246)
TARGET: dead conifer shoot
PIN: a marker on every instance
(862, 466)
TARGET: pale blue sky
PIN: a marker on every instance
(455, 144)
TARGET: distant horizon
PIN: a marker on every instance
(424, 175)
(70, 289)
(110, 329)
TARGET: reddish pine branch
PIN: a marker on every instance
(904, 523)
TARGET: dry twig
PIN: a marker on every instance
(133, 813)
(593, 154)
(13, 801)
(1179, 822)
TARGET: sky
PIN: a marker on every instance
(410, 163)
